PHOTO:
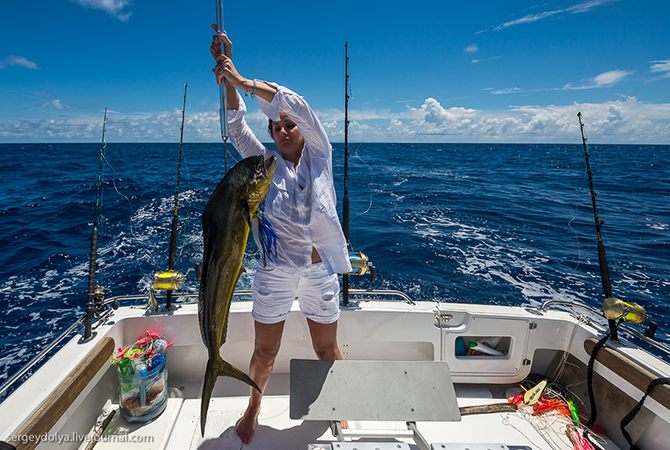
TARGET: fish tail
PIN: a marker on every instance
(218, 368)
(210, 378)
(228, 370)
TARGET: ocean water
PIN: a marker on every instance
(469, 223)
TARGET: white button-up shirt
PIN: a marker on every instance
(301, 202)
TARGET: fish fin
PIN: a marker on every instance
(218, 368)
(255, 231)
(228, 370)
(207, 387)
(246, 212)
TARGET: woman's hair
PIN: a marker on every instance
(270, 127)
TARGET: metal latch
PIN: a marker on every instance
(443, 318)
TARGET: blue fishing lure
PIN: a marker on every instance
(265, 238)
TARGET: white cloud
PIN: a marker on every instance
(505, 91)
(662, 67)
(621, 121)
(605, 79)
(18, 61)
(111, 7)
(471, 48)
(611, 77)
(575, 9)
(54, 104)
(625, 120)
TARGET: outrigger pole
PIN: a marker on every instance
(602, 257)
(173, 233)
(345, 200)
(94, 301)
(223, 109)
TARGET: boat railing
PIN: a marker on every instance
(240, 293)
(552, 303)
(102, 317)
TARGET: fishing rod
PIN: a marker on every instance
(170, 279)
(173, 232)
(223, 110)
(345, 199)
(360, 263)
(614, 308)
(95, 294)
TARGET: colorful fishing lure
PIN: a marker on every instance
(265, 238)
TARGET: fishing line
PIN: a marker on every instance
(132, 213)
(579, 245)
(621, 284)
(187, 207)
(356, 154)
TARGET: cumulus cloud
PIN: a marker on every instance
(625, 120)
(621, 121)
(575, 9)
(18, 61)
(471, 48)
(111, 7)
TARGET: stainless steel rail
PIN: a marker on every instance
(127, 298)
(377, 292)
(39, 357)
(623, 325)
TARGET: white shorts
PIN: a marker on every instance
(275, 290)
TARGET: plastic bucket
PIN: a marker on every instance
(142, 398)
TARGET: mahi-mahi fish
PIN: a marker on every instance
(225, 225)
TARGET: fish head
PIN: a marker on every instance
(254, 178)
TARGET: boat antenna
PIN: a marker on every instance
(345, 199)
(223, 109)
(173, 232)
(602, 257)
(95, 293)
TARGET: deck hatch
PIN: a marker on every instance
(372, 391)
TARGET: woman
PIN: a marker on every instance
(311, 248)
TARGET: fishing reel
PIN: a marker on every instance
(616, 309)
(360, 265)
(171, 280)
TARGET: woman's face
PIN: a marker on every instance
(288, 139)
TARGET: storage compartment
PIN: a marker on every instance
(482, 346)
(507, 339)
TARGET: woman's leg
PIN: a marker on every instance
(324, 340)
(266, 347)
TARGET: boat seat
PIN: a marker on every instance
(407, 391)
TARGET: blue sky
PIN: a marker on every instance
(421, 71)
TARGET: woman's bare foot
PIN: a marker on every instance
(246, 426)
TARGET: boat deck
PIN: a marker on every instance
(369, 331)
(179, 426)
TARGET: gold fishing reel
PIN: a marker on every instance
(361, 265)
(168, 280)
(616, 309)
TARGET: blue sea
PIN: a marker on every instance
(468, 223)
